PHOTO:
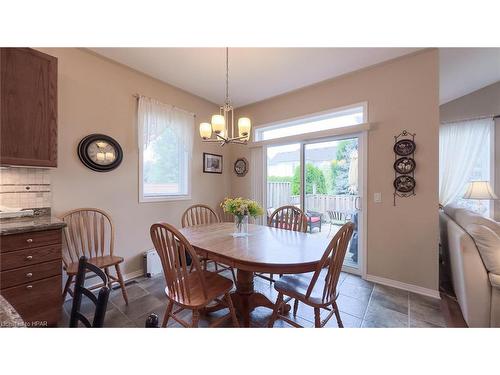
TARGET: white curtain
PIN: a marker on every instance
(459, 147)
(257, 178)
(155, 117)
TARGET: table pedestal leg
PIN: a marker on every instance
(246, 299)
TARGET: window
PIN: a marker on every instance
(480, 172)
(465, 155)
(339, 118)
(165, 148)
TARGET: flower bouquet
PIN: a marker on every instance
(241, 209)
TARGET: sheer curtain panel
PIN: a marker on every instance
(460, 145)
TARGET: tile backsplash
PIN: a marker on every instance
(25, 187)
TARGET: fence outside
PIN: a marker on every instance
(279, 194)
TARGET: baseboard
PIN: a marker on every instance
(400, 285)
(133, 275)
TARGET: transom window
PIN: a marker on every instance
(339, 118)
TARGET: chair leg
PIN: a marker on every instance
(122, 284)
(317, 318)
(215, 265)
(110, 282)
(295, 306)
(276, 310)
(272, 278)
(67, 286)
(337, 314)
(196, 319)
(232, 311)
(234, 275)
(170, 306)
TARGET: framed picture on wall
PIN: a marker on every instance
(212, 163)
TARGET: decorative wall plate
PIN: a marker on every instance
(100, 152)
(404, 165)
(404, 184)
(404, 147)
(241, 167)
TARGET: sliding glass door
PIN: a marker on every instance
(331, 193)
(283, 176)
(323, 178)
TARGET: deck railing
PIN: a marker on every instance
(279, 194)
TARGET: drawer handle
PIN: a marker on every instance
(29, 286)
(29, 240)
(29, 274)
(29, 257)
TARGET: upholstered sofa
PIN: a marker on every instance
(471, 247)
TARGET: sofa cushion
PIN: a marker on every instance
(488, 244)
(464, 218)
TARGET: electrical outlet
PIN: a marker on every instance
(377, 197)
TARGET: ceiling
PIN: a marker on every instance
(464, 70)
(256, 74)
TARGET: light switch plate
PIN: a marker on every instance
(377, 197)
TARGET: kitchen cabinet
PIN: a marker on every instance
(28, 108)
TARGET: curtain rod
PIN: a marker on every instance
(137, 96)
(472, 119)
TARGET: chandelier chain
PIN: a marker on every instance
(227, 75)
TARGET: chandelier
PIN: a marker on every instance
(224, 121)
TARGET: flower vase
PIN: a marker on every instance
(241, 224)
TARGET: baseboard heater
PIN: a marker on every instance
(152, 263)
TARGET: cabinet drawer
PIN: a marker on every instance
(38, 303)
(29, 274)
(27, 257)
(13, 242)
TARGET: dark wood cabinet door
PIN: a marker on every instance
(28, 108)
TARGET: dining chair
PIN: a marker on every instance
(100, 302)
(200, 214)
(318, 289)
(289, 218)
(90, 232)
(337, 218)
(189, 289)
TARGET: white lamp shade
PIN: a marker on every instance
(479, 190)
(244, 126)
(205, 130)
(218, 123)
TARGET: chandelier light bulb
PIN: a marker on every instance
(218, 124)
(244, 126)
(205, 130)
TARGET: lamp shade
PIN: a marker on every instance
(244, 126)
(218, 123)
(479, 190)
(205, 130)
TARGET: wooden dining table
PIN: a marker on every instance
(265, 249)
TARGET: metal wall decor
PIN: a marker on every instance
(404, 165)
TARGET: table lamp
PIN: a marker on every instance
(479, 190)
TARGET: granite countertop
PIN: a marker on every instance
(29, 224)
(8, 315)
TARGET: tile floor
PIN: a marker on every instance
(361, 304)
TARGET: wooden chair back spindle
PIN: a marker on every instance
(89, 232)
(199, 214)
(332, 261)
(173, 247)
(288, 217)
